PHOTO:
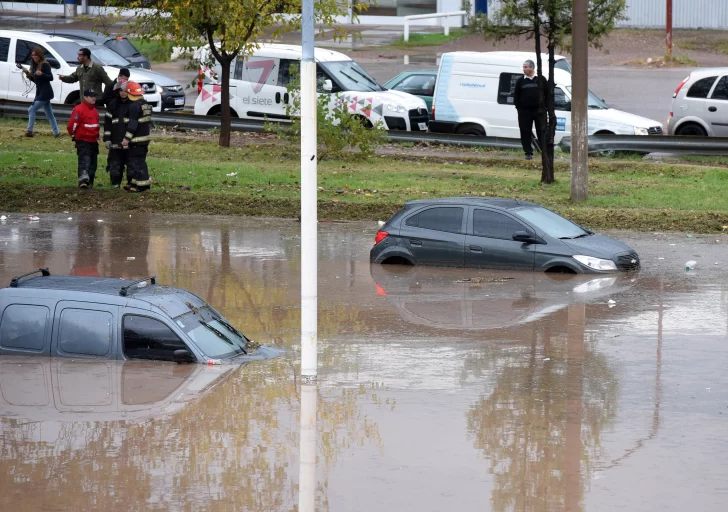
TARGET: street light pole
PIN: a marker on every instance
(309, 221)
(579, 110)
(668, 31)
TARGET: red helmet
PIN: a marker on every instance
(134, 89)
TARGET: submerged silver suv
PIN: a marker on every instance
(700, 104)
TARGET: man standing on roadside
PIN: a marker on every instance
(83, 127)
(526, 98)
(89, 75)
(117, 117)
(136, 139)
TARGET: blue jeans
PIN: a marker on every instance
(46, 106)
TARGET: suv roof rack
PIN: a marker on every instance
(43, 272)
(124, 289)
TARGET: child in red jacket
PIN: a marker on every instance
(83, 127)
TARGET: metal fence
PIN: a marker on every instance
(688, 14)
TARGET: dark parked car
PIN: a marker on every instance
(119, 44)
(496, 233)
(108, 318)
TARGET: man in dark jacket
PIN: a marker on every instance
(526, 98)
(136, 139)
(117, 116)
(83, 127)
(89, 75)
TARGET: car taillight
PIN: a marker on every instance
(671, 114)
(680, 86)
(433, 112)
(381, 235)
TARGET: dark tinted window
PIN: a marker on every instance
(24, 326)
(413, 221)
(4, 48)
(495, 225)
(123, 47)
(721, 90)
(85, 331)
(506, 87)
(421, 85)
(22, 51)
(147, 338)
(446, 218)
(701, 88)
(563, 64)
(237, 67)
(561, 102)
(288, 71)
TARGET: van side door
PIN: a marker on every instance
(6, 66)
(716, 108)
(85, 330)
(258, 88)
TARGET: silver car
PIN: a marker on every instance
(700, 104)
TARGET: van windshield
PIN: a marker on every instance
(351, 76)
(212, 333)
(593, 102)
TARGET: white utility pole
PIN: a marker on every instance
(309, 221)
(307, 450)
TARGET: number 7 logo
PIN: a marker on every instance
(266, 66)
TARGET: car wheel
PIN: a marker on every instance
(691, 129)
(471, 129)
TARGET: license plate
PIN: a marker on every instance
(423, 126)
(181, 101)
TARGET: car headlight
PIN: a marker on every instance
(595, 263)
(641, 131)
(394, 107)
(160, 90)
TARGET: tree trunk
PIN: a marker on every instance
(549, 126)
(225, 103)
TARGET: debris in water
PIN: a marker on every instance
(33, 218)
(690, 265)
(3, 217)
(130, 258)
(99, 220)
(483, 280)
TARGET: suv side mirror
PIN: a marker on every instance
(183, 356)
(525, 237)
(327, 85)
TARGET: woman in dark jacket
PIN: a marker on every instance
(40, 75)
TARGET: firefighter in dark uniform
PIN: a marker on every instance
(115, 123)
(136, 139)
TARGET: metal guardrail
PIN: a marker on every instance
(597, 143)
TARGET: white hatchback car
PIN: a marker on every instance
(700, 104)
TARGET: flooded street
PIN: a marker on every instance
(438, 389)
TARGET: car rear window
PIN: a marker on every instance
(23, 327)
(701, 88)
(441, 218)
(123, 47)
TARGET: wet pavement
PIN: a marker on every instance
(439, 389)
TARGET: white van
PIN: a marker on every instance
(16, 45)
(474, 96)
(258, 88)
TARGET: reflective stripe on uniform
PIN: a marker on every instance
(142, 183)
(140, 139)
(115, 121)
(108, 114)
(145, 119)
(128, 135)
(91, 125)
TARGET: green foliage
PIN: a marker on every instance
(417, 40)
(338, 131)
(154, 49)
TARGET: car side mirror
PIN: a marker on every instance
(183, 356)
(327, 85)
(525, 237)
(54, 63)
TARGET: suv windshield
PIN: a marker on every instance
(594, 102)
(68, 51)
(212, 334)
(106, 57)
(351, 76)
(550, 223)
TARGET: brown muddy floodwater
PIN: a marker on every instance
(439, 389)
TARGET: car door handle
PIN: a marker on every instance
(713, 109)
(476, 248)
(415, 242)
(286, 98)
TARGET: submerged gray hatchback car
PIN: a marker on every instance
(496, 233)
(107, 318)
